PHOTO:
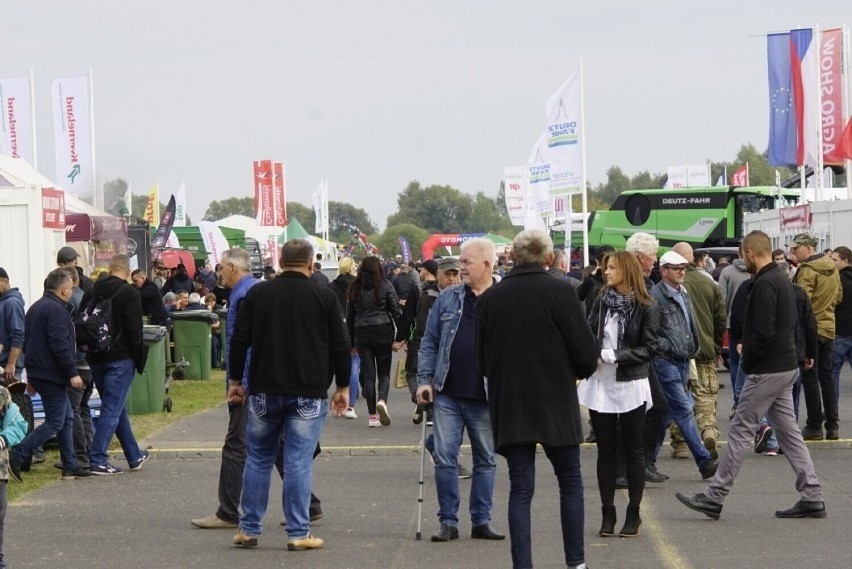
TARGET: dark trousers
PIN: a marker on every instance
(654, 417)
(374, 348)
(3, 508)
(82, 430)
(566, 466)
(818, 385)
(629, 439)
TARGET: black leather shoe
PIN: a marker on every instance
(651, 476)
(803, 509)
(809, 434)
(446, 533)
(621, 482)
(485, 532)
(653, 468)
(832, 435)
(703, 504)
(709, 469)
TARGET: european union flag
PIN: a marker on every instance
(782, 112)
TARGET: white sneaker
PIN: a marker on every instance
(382, 410)
(350, 413)
(373, 421)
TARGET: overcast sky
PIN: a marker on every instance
(372, 94)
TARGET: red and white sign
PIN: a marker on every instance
(796, 217)
(53, 208)
(263, 194)
(280, 194)
(740, 177)
(830, 79)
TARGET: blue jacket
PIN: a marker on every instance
(12, 326)
(13, 429)
(237, 295)
(50, 345)
(433, 359)
(676, 340)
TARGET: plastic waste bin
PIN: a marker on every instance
(148, 390)
(192, 334)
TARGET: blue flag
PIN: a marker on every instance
(782, 111)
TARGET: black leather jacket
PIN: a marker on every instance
(367, 312)
(637, 347)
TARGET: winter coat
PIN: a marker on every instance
(12, 327)
(50, 345)
(639, 343)
(730, 280)
(532, 343)
(339, 286)
(820, 280)
(843, 311)
(769, 325)
(126, 321)
(709, 311)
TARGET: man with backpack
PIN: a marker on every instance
(113, 358)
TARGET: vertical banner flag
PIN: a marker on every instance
(214, 241)
(263, 192)
(17, 132)
(515, 193)
(539, 177)
(165, 227)
(72, 127)
(152, 209)
(563, 138)
(740, 177)
(52, 208)
(180, 206)
(405, 247)
(279, 187)
(844, 146)
(803, 65)
(318, 199)
(830, 78)
(782, 113)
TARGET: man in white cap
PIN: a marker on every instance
(677, 344)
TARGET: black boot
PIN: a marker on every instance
(631, 522)
(608, 521)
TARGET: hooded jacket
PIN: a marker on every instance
(843, 311)
(730, 280)
(152, 303)
(819, 278)
(13, 429)
(12, 327)
(126, 321)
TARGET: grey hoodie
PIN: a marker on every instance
(730, 280)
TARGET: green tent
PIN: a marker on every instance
(294, 231)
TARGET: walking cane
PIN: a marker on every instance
(419, 535)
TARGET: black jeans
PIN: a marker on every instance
(83, 429)
(374, 348)
(820, 393)
(654, 416)
(607, 433)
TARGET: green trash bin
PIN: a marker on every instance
(192, 334)
(148, 390)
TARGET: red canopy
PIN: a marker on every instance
(85, 227)
(171, 258)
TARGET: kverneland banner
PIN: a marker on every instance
(831, 90)
(279, 187)
(75, 166)
(263, 193)
(796, 217)
(16, 118)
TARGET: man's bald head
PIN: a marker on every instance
(684, 249)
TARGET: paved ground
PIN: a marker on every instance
(367, 479)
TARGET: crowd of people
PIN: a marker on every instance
(506, 348)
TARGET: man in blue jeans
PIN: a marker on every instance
(290, 371)
(113, 370)
(842, 257)
(677, 343)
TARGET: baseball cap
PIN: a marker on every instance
(431, 266)
(449, 264)
(66, 255)
(4, 274)
(803, 239)
(672, 258)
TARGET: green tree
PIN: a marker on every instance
(616, 182)
(219, 209)
(114, 191)
(644, 180)
(340, 213)
(488, 215)
(388, 242)
(439, 209)
(303, 213)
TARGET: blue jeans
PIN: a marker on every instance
(842, 353)
(112, 380)
(354, 379)
(299, 421)
(566, 466)
(450, 416)
(58, 420)
(673, 376)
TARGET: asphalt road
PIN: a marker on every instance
(367, 480)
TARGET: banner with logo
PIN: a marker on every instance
(538, 167)
(740, 177)
(405, 247)
(563, 137)
(319, 200)
(795, 217)
(165, 227)
(17, 132)
(831, 88)
(180, 206)
(214, 241)
(72, 127)
(263, 194)
(52, 208)
(689, 176)
(279, 194)
(515, 193)
(152, 208)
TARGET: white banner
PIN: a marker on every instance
(75, 166)
(563, 137)
(515, 192)
(214, 241)
(180, 206)
(17, 132)
(538, 190)
(690, 176)
(319, 199)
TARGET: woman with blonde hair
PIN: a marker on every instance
(626, 321)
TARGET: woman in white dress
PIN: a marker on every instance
(626, 321)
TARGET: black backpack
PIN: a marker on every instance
(93, 325)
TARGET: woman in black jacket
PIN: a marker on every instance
(626, 321)
(371, 310)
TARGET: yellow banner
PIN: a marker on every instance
(152, 210)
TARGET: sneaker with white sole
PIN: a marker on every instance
(350, 413)
(764, 432)
(373, 421)
(105, 469)
(382, 410)
(138, 464)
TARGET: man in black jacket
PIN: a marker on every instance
(770, 361)
(290, 371)
(152, 301)
(842, 353)
(113, 370)
(51, 367)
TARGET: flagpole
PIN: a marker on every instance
(32, 118)
(98, 196)
(583, 178)
(847, 103)
(819, 158)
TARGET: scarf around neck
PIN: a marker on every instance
(622, 306)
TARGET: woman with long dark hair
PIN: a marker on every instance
(626, 321)
(371, 310)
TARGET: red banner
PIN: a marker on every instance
(830, 78)
(280, 190)
(263, 194)
(52, 208)
(796, 217)
(740, 177)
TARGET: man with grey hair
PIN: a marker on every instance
(532, 393)
(448, 378)
(645, 246)
(559, 268)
